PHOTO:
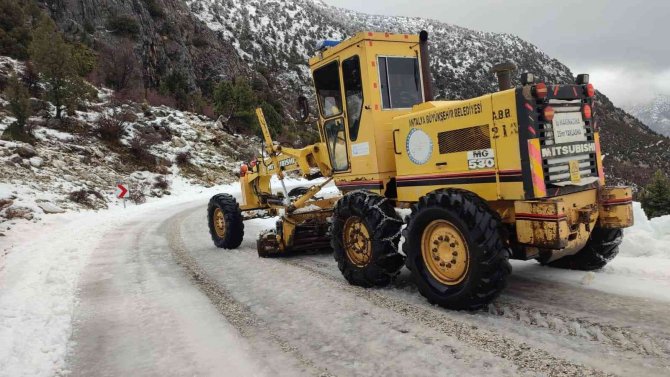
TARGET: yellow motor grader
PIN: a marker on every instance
(512, 174)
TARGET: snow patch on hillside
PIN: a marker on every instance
(283, 34)
(655, 113)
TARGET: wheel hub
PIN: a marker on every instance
(445, 252)
(219, 223)
(357, 243)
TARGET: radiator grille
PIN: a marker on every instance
(465, 139)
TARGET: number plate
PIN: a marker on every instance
(481, 159)
(568, 128)
(575, 177)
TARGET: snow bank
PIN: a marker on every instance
(647, 238)
(40, 265)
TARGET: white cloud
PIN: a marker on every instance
(627, 86)
(621, 43)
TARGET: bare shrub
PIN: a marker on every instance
(208, 111)
(72, 125)
(183, 158)
(109, 129)
(161, 183)
(154, 98)
(126, 116)
(31, 127)
(139, 147)
(128, 96)
(19, 213)
(161, 169)
(86, 197)
(136, 195)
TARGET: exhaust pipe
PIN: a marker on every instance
(504, 73)
(425, 67)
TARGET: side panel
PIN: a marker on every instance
(449, 144)
(505, 136)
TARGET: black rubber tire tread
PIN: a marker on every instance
(602, 247)
(233, 217)
(489, 252)
(384, 225)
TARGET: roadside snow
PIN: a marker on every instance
(39, 269)
(641, 269)
(40, 265)
(647, 238)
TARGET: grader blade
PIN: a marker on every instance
(302, 231)
(267, 244)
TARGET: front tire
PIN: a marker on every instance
(225, 221)
(602, 247)
(456, 250)
(365, 234)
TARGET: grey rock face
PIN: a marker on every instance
(167, 42)
(26, 151)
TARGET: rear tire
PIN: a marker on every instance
(369, 227)
(225, 221)
(602, 247)
(456, 249)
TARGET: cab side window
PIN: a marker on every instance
(337, 144)
(327, 83)
(400, 82)
(353, 92)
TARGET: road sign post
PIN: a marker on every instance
(121, 192)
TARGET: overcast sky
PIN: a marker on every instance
(623, 44)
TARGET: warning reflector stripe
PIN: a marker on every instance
(539, 187)
(619, 201)
(360, 185)
(599, 160)
(540, 217)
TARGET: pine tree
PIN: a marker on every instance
(54, 60)
(655, 197)
(233, 98)
(19, 104)
(273, 118)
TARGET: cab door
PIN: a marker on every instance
(327, 81)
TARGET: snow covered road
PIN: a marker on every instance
(155, 297)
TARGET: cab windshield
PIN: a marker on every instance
(327, 83)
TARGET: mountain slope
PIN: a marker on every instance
(281, 35)
(213, 40)
(655, 114)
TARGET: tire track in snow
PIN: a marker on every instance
(562, 323)
(237, 314)
(651, 317)
(526, 358)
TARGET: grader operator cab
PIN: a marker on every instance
(512, 174)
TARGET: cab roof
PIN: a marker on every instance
(361, 37)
